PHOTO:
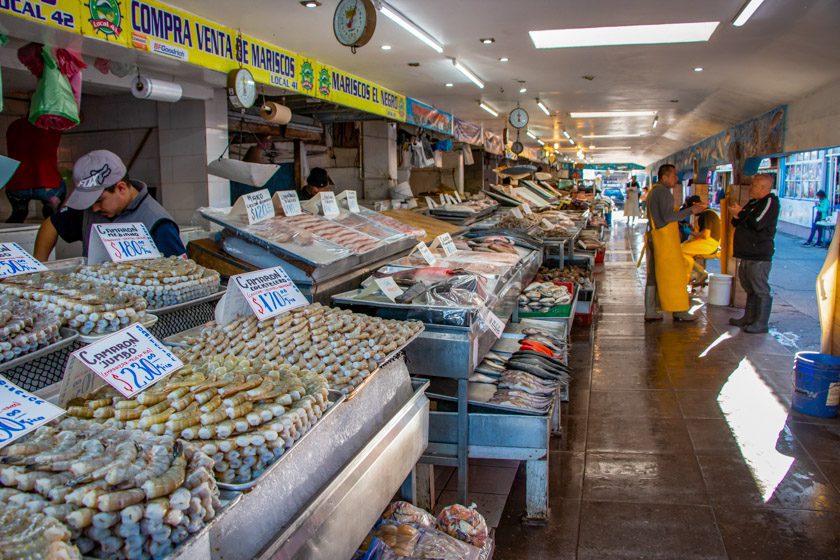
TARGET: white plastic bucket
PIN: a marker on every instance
(720, 289)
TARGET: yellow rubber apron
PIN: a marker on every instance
(669, 264)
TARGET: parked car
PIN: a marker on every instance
(616, 195)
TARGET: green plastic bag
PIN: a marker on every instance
(53, 106)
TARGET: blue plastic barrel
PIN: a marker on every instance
(816, 384)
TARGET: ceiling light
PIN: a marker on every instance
(472, 77)
(450, 84)
(624, 35)
(566, 134)
(504, 59)
(746, 12)
(531, 135)
(487, 40)
(540, 142)
(310, 3)
(386, 47)
(611, 114)
(556, 146)
(523, 90)
(698, 69)
(572, 142)
(489, 109)
(619, 135)
(542, 106)
(410, 26)
(592, 147)
(655, 121)
(614, 148)
(580, 154)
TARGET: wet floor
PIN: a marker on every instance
(679, 443)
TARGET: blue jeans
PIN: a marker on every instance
(19, 200)
(815, 229)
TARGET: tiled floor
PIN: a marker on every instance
(679, 443)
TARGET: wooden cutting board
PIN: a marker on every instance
(432, 226)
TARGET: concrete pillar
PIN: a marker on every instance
(379, 158)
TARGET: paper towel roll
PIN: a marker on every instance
(156, 90)
(275, 113)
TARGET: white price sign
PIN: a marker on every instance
(388, 287)
(130, 360)
(458, 197)
(447, 244)
(121, 243)
(526, 208)
(329, 205)
(14, 260)
(290, 202)
(352, 202)
(517, 213)
(493, 322)
(430, 203)
(269, 292)
(425, 253)
(547, 224)
(22, 412)
(258, 205)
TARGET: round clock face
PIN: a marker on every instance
(242, 89)
(517, 147)
(354, 22)
(518, 118)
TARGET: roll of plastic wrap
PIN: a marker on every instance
(275, 113)
(156, 90)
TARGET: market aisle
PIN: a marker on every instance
(679, 444)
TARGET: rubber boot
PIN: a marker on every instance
(760, 325)
(651, 314)
(684, 317)
(750, 312)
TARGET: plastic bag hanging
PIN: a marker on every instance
(53, 105)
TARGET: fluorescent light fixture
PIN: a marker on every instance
(410, 26)
(542, 106)
(620, 135)
(472, 77)
(556, 145)
(698, 69)
(614, 148)
(572, 142)
(450, 84)
(592, 147)
(624, 35)
(489, 109)
(540, 142)
(746, 12)
(523, 90)
(655, 121)
(611, 114)
(531, 135)
(386, 47)
(504, 59)
(566, 134)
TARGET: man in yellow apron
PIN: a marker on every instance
(666, 268)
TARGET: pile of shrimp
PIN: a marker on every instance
(161, 282)
(32, 535)
(120, 493)
(87, 307)
(243, 413)
(24, 328)
(343, 346)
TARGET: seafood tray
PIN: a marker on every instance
(24, 328)
(149, 321)
(44, 366)
(335, 399)
(479, 396)
(185, 316)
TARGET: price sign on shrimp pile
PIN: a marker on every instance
(269, 292)
(21, 412)
(14, 260)
(121, 243)
(131, 360)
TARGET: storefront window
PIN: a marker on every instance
(803, 175)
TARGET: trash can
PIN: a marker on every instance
(816, 384)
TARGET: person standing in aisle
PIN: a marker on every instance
(666, 275)
(755, 230)
(822, 209)
(37, 177)
(631, 202)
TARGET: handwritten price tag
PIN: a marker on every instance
(130, 360)
(352, 202)
(290, 202)
(14, 260)
(446, 243)
(258, 205)
(388, 287)
(122, 243)
(526, 208)
(425, 253)
(493, 322)
(22, 412)
(269, 292)
(329, 205)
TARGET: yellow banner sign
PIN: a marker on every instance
(106, 20)
(62, 14)
(352, 91)
(269, 64)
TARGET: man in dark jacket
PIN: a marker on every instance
(755, 228)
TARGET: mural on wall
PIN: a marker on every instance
(758, 137)
(493, 143)
(426, 116)
(469, 132)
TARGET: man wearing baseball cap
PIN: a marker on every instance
(105, 194)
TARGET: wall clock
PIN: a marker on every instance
(242, 89)
(354, 22)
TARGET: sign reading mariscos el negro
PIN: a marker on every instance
(131, 360)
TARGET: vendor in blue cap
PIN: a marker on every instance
(104, 194)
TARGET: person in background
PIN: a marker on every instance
(686, 228)
(821, 211)
(643, 199)
(104, 194)
(699, 243)
(720, 194)
(666, 275)
(318, 181)
(631, 201)
(755, 230)
(37, 177)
